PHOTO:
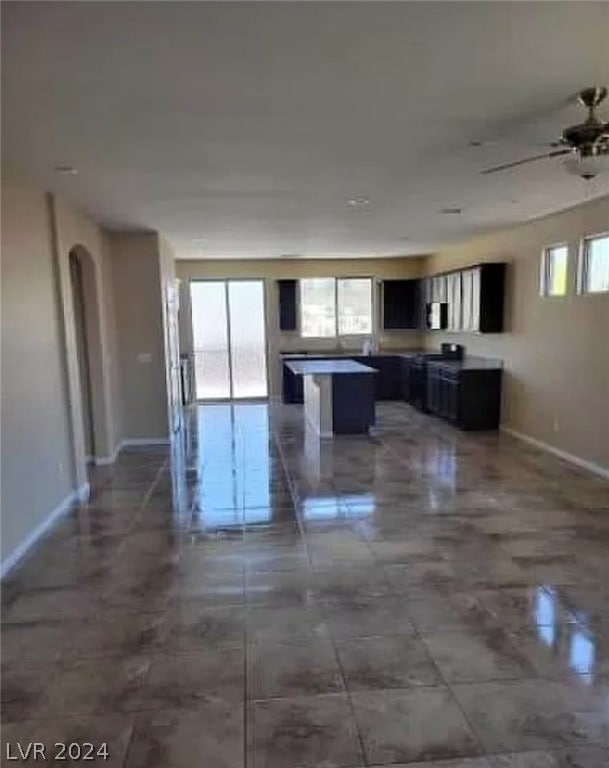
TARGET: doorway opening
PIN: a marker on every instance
(82, 334)
(229, 339)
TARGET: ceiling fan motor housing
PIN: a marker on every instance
(592, 134)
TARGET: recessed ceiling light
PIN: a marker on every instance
(199, 240)
(66, 170)
(450, 211)
(358, 202)
(291, 256)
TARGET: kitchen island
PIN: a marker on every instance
(339, 395)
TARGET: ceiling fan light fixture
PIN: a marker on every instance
(587, 166)
(65, 170)
(358, 202)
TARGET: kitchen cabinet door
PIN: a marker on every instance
(467, 298)
(404, 374)
(439, 288)
(452, 400)
(475, 303)
(454, 301)
(401, 304)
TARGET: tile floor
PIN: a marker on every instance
(251, 598)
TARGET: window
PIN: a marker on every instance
(354, 306)
(554, 270)
(331, 307)
(595, 264)
(318, 307)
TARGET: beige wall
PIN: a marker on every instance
(556, 350)
(42, 425)
(136, 272)
(271, 270)
(37, 459)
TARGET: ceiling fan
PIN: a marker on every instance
(587, 143)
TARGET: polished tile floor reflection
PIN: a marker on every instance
(251, 598)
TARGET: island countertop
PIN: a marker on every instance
(328, 367)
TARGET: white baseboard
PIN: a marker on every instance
(135, 441)
(101, 461)
(597, 469)
(82, 494)
(79, 495)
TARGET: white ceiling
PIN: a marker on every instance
(242, 129)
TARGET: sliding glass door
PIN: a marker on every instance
(229, 342)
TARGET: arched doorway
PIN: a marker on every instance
(87, 349)
(82, 351)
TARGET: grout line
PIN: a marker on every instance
(156, 479)
(348, 694)
(484, 751)
(245, 692)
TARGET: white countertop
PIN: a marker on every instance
(328, 367)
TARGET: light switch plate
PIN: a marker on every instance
(144, 357)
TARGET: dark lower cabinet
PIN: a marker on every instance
(443, 395)
(417, 387)
(387, 379)
(387, 385)
(293, 388)
(468, 398)
(404, 378)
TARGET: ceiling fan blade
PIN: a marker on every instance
(531, 159)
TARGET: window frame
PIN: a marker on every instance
(336, 334)
(544, 271)
(582, 267)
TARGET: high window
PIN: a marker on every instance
(331, 307)
(554, 262)
(594, 268)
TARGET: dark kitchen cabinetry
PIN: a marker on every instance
(415, 379)
(488, 302)
(474, 297)
(288, 316)
(387, 378)
(292, 385)
(401, 304)
(388, 381)
(404, 378)
(443, 393)
(470, 398)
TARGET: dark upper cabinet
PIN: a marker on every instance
(491, 297)
(288, 316)
(401, 304)
(475, 297)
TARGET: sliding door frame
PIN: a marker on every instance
(226, 282)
